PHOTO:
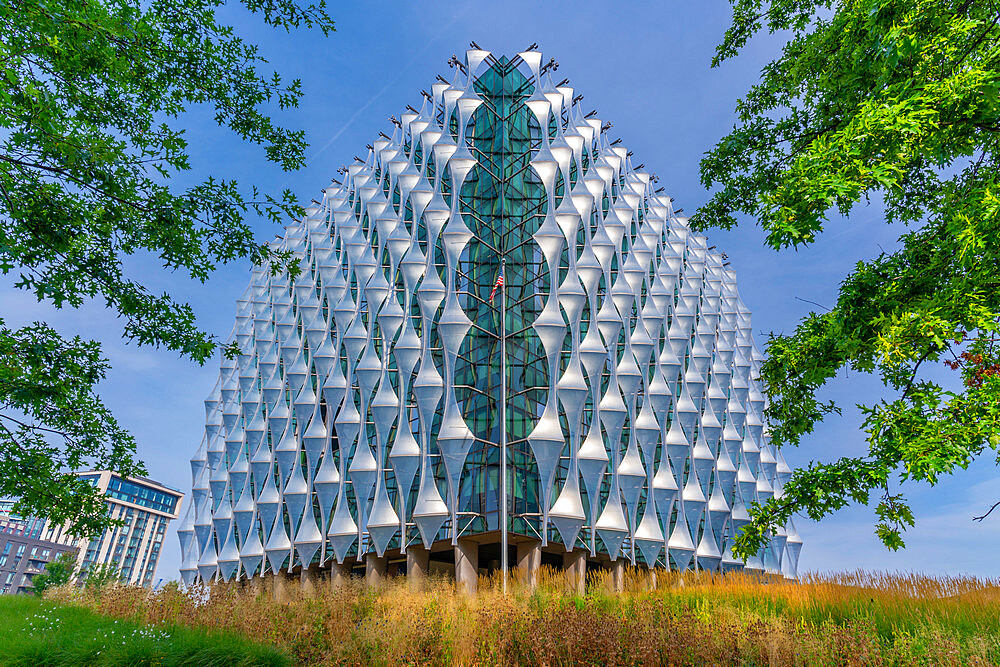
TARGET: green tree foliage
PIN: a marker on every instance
(91, 92)
(99, 576)
(900, 100)
(57, 573)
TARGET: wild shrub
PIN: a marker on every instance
(671, 619)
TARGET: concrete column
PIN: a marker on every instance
(375, 569)
(529, 559)
(255, 585)
(267, 585)
(418, 562)
(467, 566)
(618, 575)
(575, 566)
(652, 579)
(340, 574)
(309, 580)
(279, 587)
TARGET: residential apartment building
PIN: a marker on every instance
(146, 508)
(23, 552)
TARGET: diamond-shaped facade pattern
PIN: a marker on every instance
(363, 414)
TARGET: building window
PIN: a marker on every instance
(140, 494)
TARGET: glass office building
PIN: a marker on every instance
(364, 418)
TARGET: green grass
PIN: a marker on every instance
(38, 633)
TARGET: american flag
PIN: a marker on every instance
(497, 285)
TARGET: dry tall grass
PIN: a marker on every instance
(848, 619)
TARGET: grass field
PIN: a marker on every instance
(40, 633)
(850, 619)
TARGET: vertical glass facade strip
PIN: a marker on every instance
(502, 202)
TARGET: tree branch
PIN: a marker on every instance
(980, 518)
(37, 428)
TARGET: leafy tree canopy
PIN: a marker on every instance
(91, 94)
(57, 573)
(99, 576)
(898, 99)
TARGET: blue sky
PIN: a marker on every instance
(644, 66)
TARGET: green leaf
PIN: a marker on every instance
(897, 101)
(90, 111)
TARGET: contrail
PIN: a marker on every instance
(353, 118)
(389, 85)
